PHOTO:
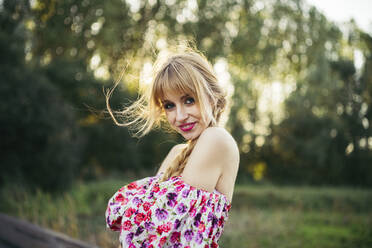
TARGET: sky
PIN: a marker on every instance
(343, 10)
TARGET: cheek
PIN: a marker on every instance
(170, 117)
(196, 112)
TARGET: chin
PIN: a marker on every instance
(192, 135)
(189, 137)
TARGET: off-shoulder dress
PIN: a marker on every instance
(149, 213)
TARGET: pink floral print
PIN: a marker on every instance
(153, 214)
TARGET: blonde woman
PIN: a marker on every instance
(187, 202)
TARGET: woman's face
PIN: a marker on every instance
(183, 114)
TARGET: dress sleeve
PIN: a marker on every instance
(119, 202)
(115, 210)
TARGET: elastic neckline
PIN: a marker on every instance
(179, 177)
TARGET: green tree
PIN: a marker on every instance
(39, 144)
(324, 138)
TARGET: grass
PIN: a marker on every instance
(286, 217)
(261, 216)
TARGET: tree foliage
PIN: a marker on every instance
(58, 55)
(39, 143)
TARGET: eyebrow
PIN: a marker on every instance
(185, 96)
(182, 98)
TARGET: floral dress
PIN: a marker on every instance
(149, 213)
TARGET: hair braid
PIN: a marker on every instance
(179, 163)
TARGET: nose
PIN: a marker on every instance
(181, 114)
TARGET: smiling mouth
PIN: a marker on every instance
(187, 127)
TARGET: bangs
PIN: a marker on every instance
(173, 78)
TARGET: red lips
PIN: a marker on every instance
(187, 126)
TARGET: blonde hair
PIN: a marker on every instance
(187, 72)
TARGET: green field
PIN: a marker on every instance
(261, 216)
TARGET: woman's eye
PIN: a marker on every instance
(189, 100)
(168, 105)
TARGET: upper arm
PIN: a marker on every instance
(170, 157)
(214, 151)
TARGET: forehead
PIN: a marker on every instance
(172, 83)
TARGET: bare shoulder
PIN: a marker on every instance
(216, 162)
(218, 140)
(214, 154)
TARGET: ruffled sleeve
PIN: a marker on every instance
(117, 206)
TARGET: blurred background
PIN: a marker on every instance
(299, 82)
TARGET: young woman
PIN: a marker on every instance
(187, 202)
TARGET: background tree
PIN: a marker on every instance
(39, 144)
(61, 54)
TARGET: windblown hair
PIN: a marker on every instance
(187, 72)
